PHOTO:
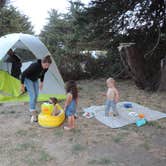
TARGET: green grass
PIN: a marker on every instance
(21, 133)
(119, 137)
(102, 161)
(154, 124)
(30, 161)
(58, 132)
(77, 148)
(92, 162)
(146, 145)
(12, 112)
(85, 125)
(7, 112)
(25, 146)
(2, 112)
(76, 131)
(37, 157)
(44, 156)
(2, 147)
(32, 133)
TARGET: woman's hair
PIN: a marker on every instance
(71, 87)
(54, 100)
(47, 59)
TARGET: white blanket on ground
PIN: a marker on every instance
(126, 115)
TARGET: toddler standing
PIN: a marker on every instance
(71, 104)
(112, 97)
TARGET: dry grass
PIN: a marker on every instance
(91, 143)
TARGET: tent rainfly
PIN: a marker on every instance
(29, 48)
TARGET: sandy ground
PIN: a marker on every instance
(91, 143)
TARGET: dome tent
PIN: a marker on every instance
(29, 48)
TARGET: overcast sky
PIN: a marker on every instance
(37, 10)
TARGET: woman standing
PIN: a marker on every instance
(29, 79)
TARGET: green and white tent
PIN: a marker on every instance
(29, 48)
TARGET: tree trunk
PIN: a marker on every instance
(146, 73)
(162, 86)
(135, 62)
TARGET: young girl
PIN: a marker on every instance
(70, 104)
(54, 101)
(112, 97)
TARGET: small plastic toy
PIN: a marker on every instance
(141, 116)
(141, 120)
(127, 105)
(88, 115)
(133, 114)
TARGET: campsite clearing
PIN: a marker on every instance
(91, 143)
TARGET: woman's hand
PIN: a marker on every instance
(41, 86)
(22, 88)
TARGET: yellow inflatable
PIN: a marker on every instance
(45, 118)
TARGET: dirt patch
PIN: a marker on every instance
(91, 143)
